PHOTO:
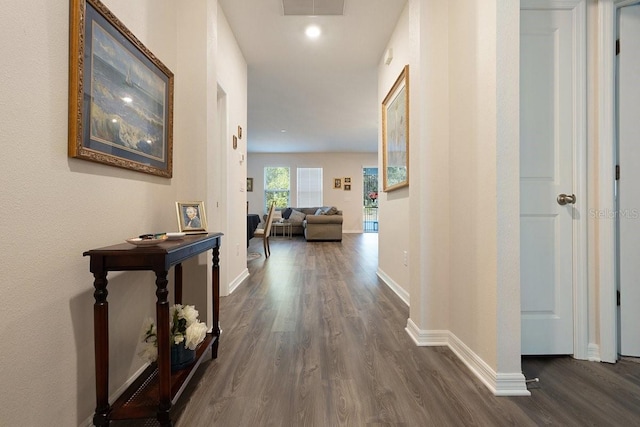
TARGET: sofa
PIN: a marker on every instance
(322, 223)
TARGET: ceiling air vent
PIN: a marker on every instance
(313, 7)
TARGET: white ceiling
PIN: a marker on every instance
(322, 92)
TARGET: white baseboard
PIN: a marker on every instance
(352, 231)
(426, 338)
(499, 383)
(593, 353)
(404, 295)
(89, 421)
(244, 275)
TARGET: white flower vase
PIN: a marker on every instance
(181, 356)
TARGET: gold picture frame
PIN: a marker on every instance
(337, 183)
(120, 95)
(192, 218)
(395, 134)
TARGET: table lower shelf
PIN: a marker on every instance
(140, 400)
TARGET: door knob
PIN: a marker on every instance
(563, 199)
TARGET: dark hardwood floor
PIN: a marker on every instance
(313, 338)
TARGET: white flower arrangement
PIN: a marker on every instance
(185, 327)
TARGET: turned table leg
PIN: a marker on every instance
(215, 285)
(101, 347)
(164, 355)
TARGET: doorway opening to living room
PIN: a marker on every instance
(370, 200)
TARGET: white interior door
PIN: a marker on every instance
(629, 183)
(547, 162)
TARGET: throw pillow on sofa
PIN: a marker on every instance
(331, 210)
(319, 211)
(296, 216)
(286, 213)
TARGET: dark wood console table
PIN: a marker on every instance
(153, 393)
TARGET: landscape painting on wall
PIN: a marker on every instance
(121, 95)
(395, 134)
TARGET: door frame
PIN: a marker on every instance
(607, 146)
(580, 289)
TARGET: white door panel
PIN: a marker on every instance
(546, 170)
(629, 184)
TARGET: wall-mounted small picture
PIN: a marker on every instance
(191, 217)
(249, 184)
(239, 132)
(337, 182)
(347, 180)
(347, 187)
(235, 142)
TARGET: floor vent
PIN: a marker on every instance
(312, 7)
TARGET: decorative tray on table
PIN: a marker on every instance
(148, 239)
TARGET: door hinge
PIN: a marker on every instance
(618, 298)
(618, 47)
(617, 172)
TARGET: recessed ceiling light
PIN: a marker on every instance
(313, 31)
(283, 130)
(127, 99)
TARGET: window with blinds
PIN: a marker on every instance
(309, 187)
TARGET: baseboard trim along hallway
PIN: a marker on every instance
(500, 384)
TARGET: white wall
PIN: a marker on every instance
(430, 211)
(395, 228)
(334, 165)
(464, 269)
(232, 79)
(54, 208)
(507, 164)
(472, 174)
(192, 132)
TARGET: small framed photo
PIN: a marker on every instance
(347, 180)
(239, 132)
(191, 217)
(347, 187)
(249, 184)
(337, 182)
(235, 142)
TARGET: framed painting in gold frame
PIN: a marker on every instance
(120, 95)
(395, 134)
